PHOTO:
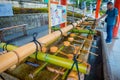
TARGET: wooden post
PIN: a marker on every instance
(49, 16)
(97, 8)
(116, 28)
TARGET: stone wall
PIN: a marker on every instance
(32, 20)
(25, 3)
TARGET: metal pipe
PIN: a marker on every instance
(11, 58)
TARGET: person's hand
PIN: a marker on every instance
(97, 21)
(117, 25)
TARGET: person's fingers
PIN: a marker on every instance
(116, 25)
(97, 20)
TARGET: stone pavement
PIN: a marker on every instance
(113, 58)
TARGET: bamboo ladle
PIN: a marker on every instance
(72, 39)
(55, 70)
(70, 56)
(81, 37)
(87, 44)
(85, 51)
(44, 49)
(72, 75)
(54, 49)
(67, 43)
(73, 35)
(55, 78)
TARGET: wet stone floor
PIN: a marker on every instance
(113, 57)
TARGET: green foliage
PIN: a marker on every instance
(55, 28)
(75, 14)
(102, 12)
(17, 10)
(89, 1)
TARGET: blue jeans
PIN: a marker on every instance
(109, 33)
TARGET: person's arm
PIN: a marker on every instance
(117, 18)
(117, 21)
(102, 17)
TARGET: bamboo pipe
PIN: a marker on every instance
(9, 47)
(36, 71)
(56, 60)
(85, 31)
(93, 20)
(12, 47)
(55, 28)
(1, 53)
(87, 23)
(11, 58)
(12, 67)
(70, 56)
(66, 63)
